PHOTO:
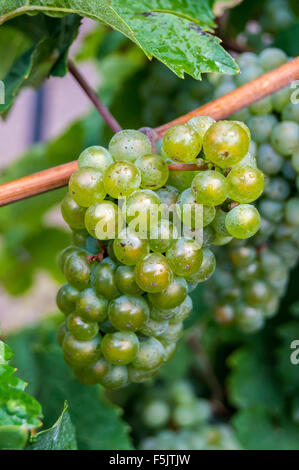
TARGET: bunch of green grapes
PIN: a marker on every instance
(138, 243)
(253, 276)
(176, 419)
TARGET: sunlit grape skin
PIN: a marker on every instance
(161, 236)
(81, 352)
(81, 329)
(150, 354)
(129, 248)
(201, 124)
(181, 143)
(153, 273)
(128, 145)
(206, 269)
(86, 186)
(142, 209)
(154, 171)
(185, 256)
(95, 157)
(209, 188)
(172, 296)
(225, 143)
(104, 220)
(128, 313)
(121, 179)
(120, 348)
(243, 221)
(245, 184)
(91, 307)
(72, 213)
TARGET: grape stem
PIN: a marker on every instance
(220, 108)
(207, 372)
(99, 105)
(100, 255)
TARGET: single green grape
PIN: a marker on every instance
(77, 270)
(218, 224)
(140, 375)
(95, 157)
(125, 281)
(156, 413)
(103, 279)
(261, 127)
(281, 98)
(128, 145)
(154, 328)
(104, 220)
(184, 256)
(128, 312)
(120, 348)
(142, 210)
(224, 314)
(271, 210)
(80, 353)
(182, 143)
(72, 213)
(189, 211)
(243, 221)
(181, 312)
(269, 161)
(262, 107)
(247, 59)
(271, 58)
(206, 269)
(201, 124)
(172, 335)
(291, 112)
(250, 73)
(81, 329)
(243, 125)
(292, 211)
(181, 180)
(245, 184)
(129, 247)
(277, 188)
(64, 254)
(93, 373)
(116, 377)
(285, 137)
(242, 255)
(225, 143)
(86, 186)
(150, 354)
(162, 235)
(121, 179)
(153, 273)
(256, 292)
(91, 307)
(172, 296)
(170, 350)
(79, 238)
(168, 196)
(209, 188)
(154, 171)
(66, 299)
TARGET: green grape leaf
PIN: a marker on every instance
(5, 353)
(61, 436)
(252, 380)
(257, 430)
(287, 39)
(97, 421)
(173, 31)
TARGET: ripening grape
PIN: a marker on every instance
(206, 269)
(245, 184)
(128, 312)
(142, 210)
(184, 256)
(153, 273)
(120, 348)
(182, 143)
(243, 221)
(72, 213)
(209, 188)
(125, 281)
(150, 354)
(162, 235)
(86, 186)
(81, 353)
(154, 171)
(121, 179)
(95, 157)
(172, 296)
(104, 220)
(129, 248)
(91, 307)
(201, 124)
(93, 373)
(66, 298)
(128, 145)
(81, 329)
(285, 137)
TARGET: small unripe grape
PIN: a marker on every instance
(154, 328)
(77, 270)
(154, 171)
(261, 127)
(162, 236)
(201, 124)
(103, 279)
(172, 335)
(271, 58)
(209, 188)
(247, 59)
(90, 307)
(86, 186)
(150, 354)
(129, 248)
(170, 350)
(281, 98)
(292, 211)
(184, 256)
(262, 107)
(277, 189)
(120, 348)
(116, 377)
(225, 143)
(249, 272)
(156, 414)
(128, 145)
(245, 184)
(242, 255)
(243, 221)
(93, 373)
(72, 213)
(81, 329)
(128, 312)
(140, 375)
(172, 296)
(182, 143)
(269, 161)
(206, 269)
(143, 209)
(64, 254)
(66, 298)
(81, 352)
(291, 112)
(125, 281)
(249, 319)
(250, 73)
(271, 210)
(95, 157)
(121, 179)
(153, 273)
(224, 314)
(285, 137)
(104, 220)
(257, 292)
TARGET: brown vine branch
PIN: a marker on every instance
(102, 109)
(220, 108)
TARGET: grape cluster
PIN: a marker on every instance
(252, 277)
(176, 419)
(137, 252)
